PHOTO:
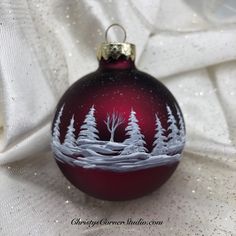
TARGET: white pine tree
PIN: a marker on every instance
(172, 128)
(181, 134)
(135, 142)
(70, 136)
(159, 144)
(88, 130)
(56, 128)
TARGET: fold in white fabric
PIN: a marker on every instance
(45, 47)
(189, 45)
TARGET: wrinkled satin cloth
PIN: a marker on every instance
(189, 45)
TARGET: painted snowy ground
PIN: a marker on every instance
(88, 151)
(106, 155)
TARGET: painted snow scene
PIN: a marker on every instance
(88, 151)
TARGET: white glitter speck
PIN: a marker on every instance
(201, 93)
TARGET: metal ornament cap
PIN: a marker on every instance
(116, 50)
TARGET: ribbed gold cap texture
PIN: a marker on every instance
(113, 50)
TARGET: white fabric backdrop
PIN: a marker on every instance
(47, 45)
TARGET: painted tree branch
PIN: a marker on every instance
(112, 122)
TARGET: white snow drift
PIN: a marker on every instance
(89, 152)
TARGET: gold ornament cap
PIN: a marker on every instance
(114, 50)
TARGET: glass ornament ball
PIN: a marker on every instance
(118, 133)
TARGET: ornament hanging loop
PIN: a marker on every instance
(114, 50)
(115, 25)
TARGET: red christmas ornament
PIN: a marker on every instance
(118, 133)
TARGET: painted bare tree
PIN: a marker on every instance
(113, 121)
